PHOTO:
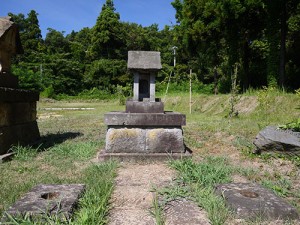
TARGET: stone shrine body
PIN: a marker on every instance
(17, 107)
(144, 131)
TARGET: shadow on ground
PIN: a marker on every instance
(49, 140)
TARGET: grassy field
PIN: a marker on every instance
(71, 138)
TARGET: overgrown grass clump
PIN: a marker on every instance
(94, 205)
(202, 178)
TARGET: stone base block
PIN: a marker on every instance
(142, 140)
(166, 119)
(144, 107)
(142, 157)
(42, 200)
(17, 113)
(18, 134)
(250, 201)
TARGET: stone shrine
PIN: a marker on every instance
(17, 107)
(144, 131)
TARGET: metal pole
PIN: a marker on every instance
(174, 53)
(190, 91)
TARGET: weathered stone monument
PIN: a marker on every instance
(17, 107)
(144, 131)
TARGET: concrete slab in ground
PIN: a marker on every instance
(132, 198)
(185, 212)
(250, 201)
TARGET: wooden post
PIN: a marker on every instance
(190, 91)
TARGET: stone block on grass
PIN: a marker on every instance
(272, 139)
(47, 199)
(252, 201)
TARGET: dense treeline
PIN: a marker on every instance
(260, 38)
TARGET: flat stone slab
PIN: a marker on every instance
(185, 211)
(273, 139)
(52, 199)
(139, 140)
(250, 201)
(171, 119)
(140, 157)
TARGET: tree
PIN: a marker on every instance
(107, 36)
(55, 42)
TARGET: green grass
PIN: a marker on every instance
(94, 205)
(202, 177)
(222, 147)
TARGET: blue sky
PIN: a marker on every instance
(68, 15)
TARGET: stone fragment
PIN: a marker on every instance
(277, 140)
(251, 201)
(57, 200)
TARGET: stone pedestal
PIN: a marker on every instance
(17, 118)
(144, 135)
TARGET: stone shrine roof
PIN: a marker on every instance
(6, 26)
(144, 60)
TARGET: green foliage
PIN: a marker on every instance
(74, 150)
(210, 35)
(24, 153)
(106, 73)
(157, 211)
(48, 92)
(265, 97)
(295, 126)
(95, 202)
(202, 178)
(107, 34)
(28, 79)
(280, 186)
